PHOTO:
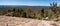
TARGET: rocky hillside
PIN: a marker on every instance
(17, 21)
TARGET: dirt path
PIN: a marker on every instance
(16, 21)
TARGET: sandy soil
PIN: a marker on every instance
(16, 21)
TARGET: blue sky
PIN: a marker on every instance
(28, 2)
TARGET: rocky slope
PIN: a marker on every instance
(16, 21)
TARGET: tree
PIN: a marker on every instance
(53, 7)
(9, 10)
(42, 12)
(13, 10)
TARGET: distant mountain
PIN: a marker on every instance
(12, 6)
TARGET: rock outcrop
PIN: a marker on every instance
(19, 21)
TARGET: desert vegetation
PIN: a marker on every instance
(52, 13)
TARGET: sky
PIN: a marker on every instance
(28, 2)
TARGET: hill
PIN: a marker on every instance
(17, 21)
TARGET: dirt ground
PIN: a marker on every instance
(17, 21)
